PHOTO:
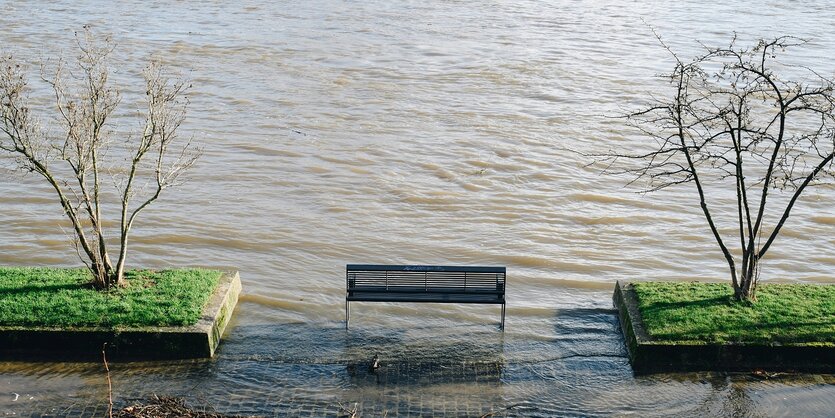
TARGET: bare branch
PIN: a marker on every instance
(732, 121)
(85, 100)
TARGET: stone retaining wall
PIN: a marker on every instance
(648, 356)
(145, 343)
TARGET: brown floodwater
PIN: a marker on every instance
(415, 132)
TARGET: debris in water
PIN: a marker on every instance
(375, 363)
(166, 407)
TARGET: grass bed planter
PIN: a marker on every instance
(698, 326)
(51, 313)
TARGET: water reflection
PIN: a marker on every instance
(424, 374)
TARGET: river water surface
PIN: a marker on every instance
(416, 132)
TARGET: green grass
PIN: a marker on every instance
(53, 297)
(707, 313)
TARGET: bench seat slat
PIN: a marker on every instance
(421, 289)
(421, 283)
(422, 297)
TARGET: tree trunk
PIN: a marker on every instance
(105, 277)
(742, 293)
(746, 290)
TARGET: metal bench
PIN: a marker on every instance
(437, 284)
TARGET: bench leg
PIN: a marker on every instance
(503, 310)
(347, 313)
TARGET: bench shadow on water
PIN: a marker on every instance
(296, 368)
(568, 363)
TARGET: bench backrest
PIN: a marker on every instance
(426, 278)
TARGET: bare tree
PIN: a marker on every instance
(733, 122)
(75, 164)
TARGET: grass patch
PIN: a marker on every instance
(58, 297)
(707, 313)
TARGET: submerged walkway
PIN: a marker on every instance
(577, 367)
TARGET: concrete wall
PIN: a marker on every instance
(146, 343)
(648, 356)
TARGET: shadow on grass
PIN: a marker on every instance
(726, 301)
(48, 288)
(748, 326)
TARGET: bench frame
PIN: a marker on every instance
(433, 284)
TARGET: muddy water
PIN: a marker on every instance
(432, 132)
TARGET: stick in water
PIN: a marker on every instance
(109, 384)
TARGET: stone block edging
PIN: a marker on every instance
(648, 356)
(139, 343)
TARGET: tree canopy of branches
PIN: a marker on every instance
(732, 120)
(83, 156)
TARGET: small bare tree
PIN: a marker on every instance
(732, 122)
(75, 164)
